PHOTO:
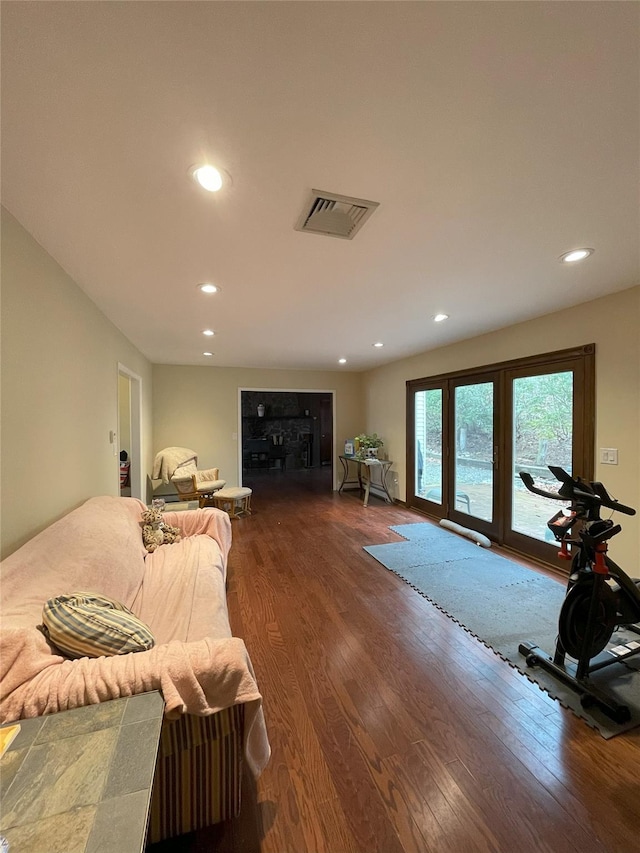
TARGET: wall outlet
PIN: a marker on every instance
(609, 455)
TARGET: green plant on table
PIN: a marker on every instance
(366, 441)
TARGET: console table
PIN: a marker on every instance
(80, 781)
(363, 479)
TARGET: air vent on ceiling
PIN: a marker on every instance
(335, 215)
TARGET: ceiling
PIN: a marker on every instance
(495, 137)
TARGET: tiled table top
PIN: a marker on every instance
(80, 781)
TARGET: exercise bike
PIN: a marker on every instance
(600, 596)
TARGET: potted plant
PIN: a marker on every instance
(367, 445)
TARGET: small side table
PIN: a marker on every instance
(364, 469)
(80, 781)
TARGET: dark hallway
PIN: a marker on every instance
(286, 433)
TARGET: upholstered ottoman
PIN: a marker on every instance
(235, 500)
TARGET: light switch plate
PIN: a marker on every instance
(609, 455)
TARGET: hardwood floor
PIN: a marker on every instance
(392, 729)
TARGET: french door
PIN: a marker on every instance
(470, 434)
(455, 459)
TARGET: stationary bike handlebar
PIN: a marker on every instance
(593, 494)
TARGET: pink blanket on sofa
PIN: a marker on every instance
(179, 590)
(197, 678)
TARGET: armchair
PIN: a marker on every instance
(179, 466)
(197, 485)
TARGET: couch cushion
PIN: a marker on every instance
(189, 575)
(206, 486)
(85, 624)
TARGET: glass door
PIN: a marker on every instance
(542, 435)
(470, 434)
(429, 444)
(547, 420)
(473, 484)
(454, 451)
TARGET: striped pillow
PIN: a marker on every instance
(85, 624)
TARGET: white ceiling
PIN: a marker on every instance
(495, 137)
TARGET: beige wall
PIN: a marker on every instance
(612, 323)
(197, 407)
(59, 391)
(59, 388)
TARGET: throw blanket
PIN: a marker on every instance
(179, 591)
(200, 678)
(167, 460)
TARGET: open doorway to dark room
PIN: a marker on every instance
(287, 435)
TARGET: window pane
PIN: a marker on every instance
(428, 436)
(542, 435)
(474, 449)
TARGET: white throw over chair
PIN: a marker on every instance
(179, 466)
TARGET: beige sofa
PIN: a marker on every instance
(213, 708)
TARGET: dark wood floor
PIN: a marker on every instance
(393, 729)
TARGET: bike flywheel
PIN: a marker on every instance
(574, 615)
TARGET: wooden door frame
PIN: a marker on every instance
(493, 528)
(583, 440)
(581, 360)
(422, 505)
(334, 457)
(136, 471)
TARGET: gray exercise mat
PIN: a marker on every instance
(503, 604)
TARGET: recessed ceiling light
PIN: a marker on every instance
(342, 361)
(209, 333)
(209, 178)
(208, 354)
(378, 344)
(209, 288)
(440, 317)
(575, 255)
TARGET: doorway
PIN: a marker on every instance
(471, 433)
(286, 434)
(129, 445)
